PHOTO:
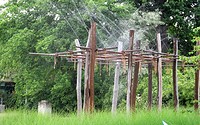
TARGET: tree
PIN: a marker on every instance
(43, 26)
(29, 27)
(180, 17)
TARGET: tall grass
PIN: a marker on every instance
(101, 118)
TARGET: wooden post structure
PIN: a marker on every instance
(86, 84)
(92, 65)
(116, 81)
(89, 53)
(135, 81)
(150, 75)
(78, 81)
(86, 80)
(175, 77)
(130, 68)
(196, 90)
(197, 84)
(159, 72)
(150, 82)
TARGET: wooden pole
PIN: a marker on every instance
(130, 68)
(134, 85)
(197, 84)
(135, 81)
(78, 84)
(116, 81)
(86, 86)
(175, 77)
(92, 64)
(86, 76)
(150, 75)
(196, 90)
(138, 44)
(159, 72)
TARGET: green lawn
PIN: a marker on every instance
(101, 118)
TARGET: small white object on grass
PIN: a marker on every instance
(44, 107)
(164, 123)
(2, 108)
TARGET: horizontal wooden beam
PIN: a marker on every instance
(83, 47)
(43, 54)
(104, 49)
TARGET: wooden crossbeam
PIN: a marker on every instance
(104, 49)
(83, 47)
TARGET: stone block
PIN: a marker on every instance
(2, 108)
(44, 107)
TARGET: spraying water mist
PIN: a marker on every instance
(110, 28)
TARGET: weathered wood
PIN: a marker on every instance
(108, 52)
(82, 47)
(86, 80)
(130, 68)
(138, 45)
(116, 81)
(86, 85)
(159, 73)
(78, 81)
(108, 48)
(135, 81)
(42, 54)
(196, 90)
(150, 75)
(197, 84)
(175, 76)
(134, 86)
(92, 64)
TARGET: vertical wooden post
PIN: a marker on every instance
(159, 72)
(134, 85)
(130, 68)
(196, 90)
(138, 44)
(86, 76)
(92, 64)
(175, 77)
(150, 86)
(135, 81)
(197, 84)
(86, 86)
(150, 82)
(116, 81)
(78, 82)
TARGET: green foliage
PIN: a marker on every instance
(181, 18)
(185, 88)
(195, 58)
(31, 26)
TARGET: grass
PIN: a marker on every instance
(101, 118)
